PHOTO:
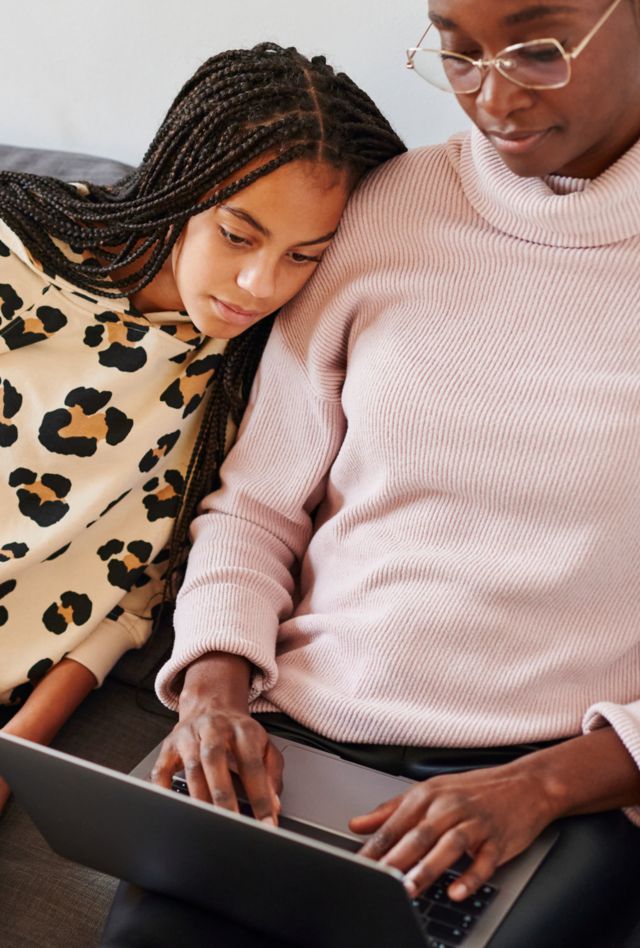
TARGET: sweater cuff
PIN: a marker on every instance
(108, 642)
(625, 720)
(221, 618)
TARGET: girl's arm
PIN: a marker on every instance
(49, 706)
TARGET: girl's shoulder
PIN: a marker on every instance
(11, 245)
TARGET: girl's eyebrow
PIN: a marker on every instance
(526, 15)
(249, 219)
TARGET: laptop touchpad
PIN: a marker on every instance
(327, 791)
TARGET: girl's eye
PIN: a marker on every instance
(304, 258)
(235, 239)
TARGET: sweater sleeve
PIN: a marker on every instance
(625, 720)
(128, 626)
(238, 585)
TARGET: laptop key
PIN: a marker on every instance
(451, 936)
(435, 894)
(448, 877)
(486, 892)
(448, 916)
(472, 906)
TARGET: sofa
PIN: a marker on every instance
(45, 901)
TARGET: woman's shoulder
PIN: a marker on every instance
(408, 173)
(418, 182)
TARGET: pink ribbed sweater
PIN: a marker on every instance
(457, 392)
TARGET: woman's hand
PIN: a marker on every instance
(217, 737)
(491, 814)
(213, 743)
(494, 814)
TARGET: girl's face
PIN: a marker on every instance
(241, 260)
(578, 130)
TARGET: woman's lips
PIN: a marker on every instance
(516, 143)
(233, 314)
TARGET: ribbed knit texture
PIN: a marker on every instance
(458, 389)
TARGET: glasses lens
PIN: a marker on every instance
(447, 71)
(540, 64)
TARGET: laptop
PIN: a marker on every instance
(302, 881)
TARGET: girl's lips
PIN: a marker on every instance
(240, 317)
(516, 143)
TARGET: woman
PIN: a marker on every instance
(117, 304)
(469, 399)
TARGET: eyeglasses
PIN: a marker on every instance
(537, 64)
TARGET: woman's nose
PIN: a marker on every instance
(499, 97)
(258, 278)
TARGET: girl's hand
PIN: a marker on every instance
(5, 793)
(491, 814)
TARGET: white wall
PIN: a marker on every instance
(98, 75)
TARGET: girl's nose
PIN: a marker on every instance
(258, 278)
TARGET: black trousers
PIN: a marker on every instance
(585, 895)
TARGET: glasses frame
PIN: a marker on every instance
(499, 61)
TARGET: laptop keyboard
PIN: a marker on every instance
(446, 923)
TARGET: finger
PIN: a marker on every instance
(167, 762)
(485, 863)
(188, 747)
(274, 762)
(369, 822)
(409, 810)
(413, 846)
(251, 745)
(215, 767)
(446, 851)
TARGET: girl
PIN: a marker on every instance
(133, 318)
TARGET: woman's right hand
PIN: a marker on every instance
(216, 737)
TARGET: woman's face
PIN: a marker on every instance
(578, 130)
(241, 260)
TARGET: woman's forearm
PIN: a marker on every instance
(586, 774)
(52, 702)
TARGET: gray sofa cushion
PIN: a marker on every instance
(61, 164)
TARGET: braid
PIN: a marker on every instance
(227, 401)
(265, 103)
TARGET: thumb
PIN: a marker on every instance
(369, 822)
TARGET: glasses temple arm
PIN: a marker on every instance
(603, 19)
(418, 45)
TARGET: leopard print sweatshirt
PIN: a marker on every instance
(99, 409)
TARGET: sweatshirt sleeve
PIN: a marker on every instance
(127, 626)
(238, 586)
(625, 720)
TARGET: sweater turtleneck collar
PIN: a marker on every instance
(558, 212)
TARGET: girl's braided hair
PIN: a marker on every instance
(238, 106)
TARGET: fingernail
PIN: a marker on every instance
(411, 887)
(268, 821)
(459, 890)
